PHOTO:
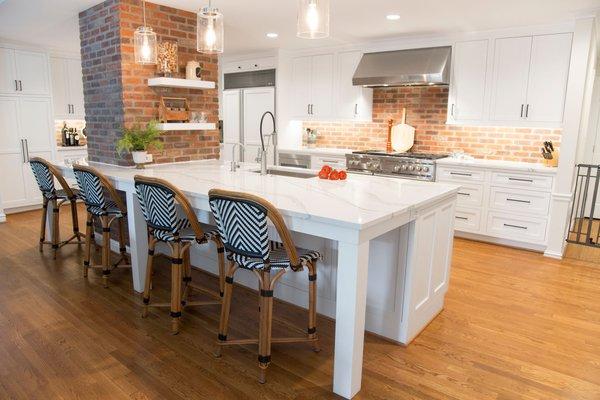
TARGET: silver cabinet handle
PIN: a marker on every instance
(452, 111)
(518, 201)
(515, 226)
(355, 108)
(461, 174)
(522, 107)
(27, 150)
(464, 194)
(312, 110)
(527, 111)
(16, 85)
(23, 151)
(21, 86)
(520, 179)
(71, 109)
(308, 109)
(463, 218)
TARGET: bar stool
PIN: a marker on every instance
(45, 173)
(104, 204)
(158, 200)
(242, 221)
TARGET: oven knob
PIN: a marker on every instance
(411, 168)
(403, 167)
(368, 164)
(396, 168)
(418, 168)
(425, 169)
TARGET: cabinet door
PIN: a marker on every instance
(469, 80)
(10, 140)
(12, 185)
(75, 87)
(35, 123)
(32, 72)
(550, 59)
(301, 75)
(511, 72)
(231, 116)
(60, 87)
(256, 102)
(348, 95)
(322, 86)
(7, 71)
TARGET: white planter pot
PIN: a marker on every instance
(139, 158)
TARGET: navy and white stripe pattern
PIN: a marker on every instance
(160, 212)
(92, 193)
(44, 179)
(243, 227)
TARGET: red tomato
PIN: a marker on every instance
(326, 168)
(334, 175)
(323, 174)
(342, 175)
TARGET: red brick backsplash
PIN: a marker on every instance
(426, 109)
(135, 102)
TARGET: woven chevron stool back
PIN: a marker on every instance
(44, 174)
(92, 190)
(160, 202)
(242, 221)
(242, 225)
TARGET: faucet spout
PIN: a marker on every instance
(235, 165)
(264, 149)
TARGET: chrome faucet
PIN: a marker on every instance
(235, 165)
(264, 149)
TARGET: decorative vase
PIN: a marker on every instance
(139, 158)
(193, 70)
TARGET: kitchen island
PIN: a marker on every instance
(387, 246)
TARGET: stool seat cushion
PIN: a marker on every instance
(185, 233)
(278, 258)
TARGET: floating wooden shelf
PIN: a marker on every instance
(180, 83)
(186, 126)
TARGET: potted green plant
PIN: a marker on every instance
(137, 141)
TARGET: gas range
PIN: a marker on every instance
(420, 166)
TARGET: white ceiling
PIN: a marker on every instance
(53, 23)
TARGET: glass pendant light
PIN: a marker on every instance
(209, 30)
(313, 19)
(144, 43)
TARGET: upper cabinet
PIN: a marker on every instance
(312, 78)
(530, 79)
(67, 88)
(514, 81)
(353, 102)
(23, 72)
(467, 91)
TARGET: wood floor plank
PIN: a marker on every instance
(516, 326)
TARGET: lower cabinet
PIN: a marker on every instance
(501, 205)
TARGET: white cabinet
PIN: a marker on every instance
(497, 204)
(25, 131)
(353, 102)
(469, 77)
(312, 84)
(67, 88)
(24, 72)
(530, 78)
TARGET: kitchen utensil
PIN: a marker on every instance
(388, 143)
(403, 135)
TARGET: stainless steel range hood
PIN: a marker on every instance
(413, 67)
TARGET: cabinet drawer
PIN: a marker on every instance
(460, 174)
(515, 200)
(533, 181)
(467, 220)
(470, 195)
(518, 228)
(333, 162)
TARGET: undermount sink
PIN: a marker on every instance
(291, 174)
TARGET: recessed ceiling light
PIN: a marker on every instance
(272, 35)
(393, 17)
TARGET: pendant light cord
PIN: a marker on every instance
(144, 11)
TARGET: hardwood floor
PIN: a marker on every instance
(516, 326)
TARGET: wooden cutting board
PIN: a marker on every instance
(403, 135)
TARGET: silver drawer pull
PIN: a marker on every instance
(332, 161)
(464, 194)
(515, 226)
(520, 180)
(461, 218)
(519, 201)
(460, 173)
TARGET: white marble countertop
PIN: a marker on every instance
(317, 151)
(499, 164)
(358, 202)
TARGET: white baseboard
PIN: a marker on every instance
(2, 217)
(540, 248)
(552, 254)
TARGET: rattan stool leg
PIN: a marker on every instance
(312, 305)
(226, 307)
(105, 249)
(55, 228)
(148, 281)
(176, 275)
(89, 237)
(43, 224)
(265, 324)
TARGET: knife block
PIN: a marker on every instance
(554, 161)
